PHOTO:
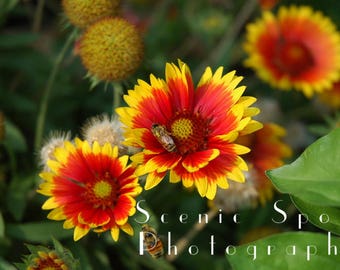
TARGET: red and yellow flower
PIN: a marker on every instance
(268, 152)
(43, 258)
(91, 188)
(199, 124)
(297, 48)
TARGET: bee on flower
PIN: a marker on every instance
(189, 132)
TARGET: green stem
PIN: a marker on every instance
(117, 93)
(47, 91)
(38, 16)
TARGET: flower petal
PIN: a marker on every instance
(153, 179)
(79, 233)
(202, 186)
(195, 161)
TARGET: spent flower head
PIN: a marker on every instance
(105, 129)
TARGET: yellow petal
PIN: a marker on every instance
(96, 149)
(79, 233)
(174, 177)
(50, 204)
(45, 189)
(205, 77)
(68, 224)
(107, 149)
(187, 182)
(123, 160)
(115, 233)
(56, 214)
(240, 149)
(241, 164)
(211, 191)
(127, 228)
(115, 152)
(202, 185)
(53, 165)
(238, 92)
(222, 182)
(236, 175)
(86, 148)
(61, 154)
(153, 179)
(252, 126)
(47, 176)
(69, 146)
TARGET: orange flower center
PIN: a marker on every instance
(102, 193)
(48, 261)
(293, 57)
(189, 132)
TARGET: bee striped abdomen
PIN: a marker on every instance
(152, 244)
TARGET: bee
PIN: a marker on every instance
(163, 137)
(152, 243)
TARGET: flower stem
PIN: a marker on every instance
(117, 93)
(183, 242)
(38, 16)
(47, 91)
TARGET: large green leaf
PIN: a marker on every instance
(315, 176)
(327, 218)
(289, 251)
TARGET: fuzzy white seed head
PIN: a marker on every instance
(104, 129)
(55, 140)
(237, 197)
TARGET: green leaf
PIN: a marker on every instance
(327, 218)
(6, 265)
(315, 176)
(38, 231)
(14, 138)
(292, 250)
(17, 194)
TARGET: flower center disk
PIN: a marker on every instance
(293, 57)
(102, 193)
(189, 132)
(102, 189)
